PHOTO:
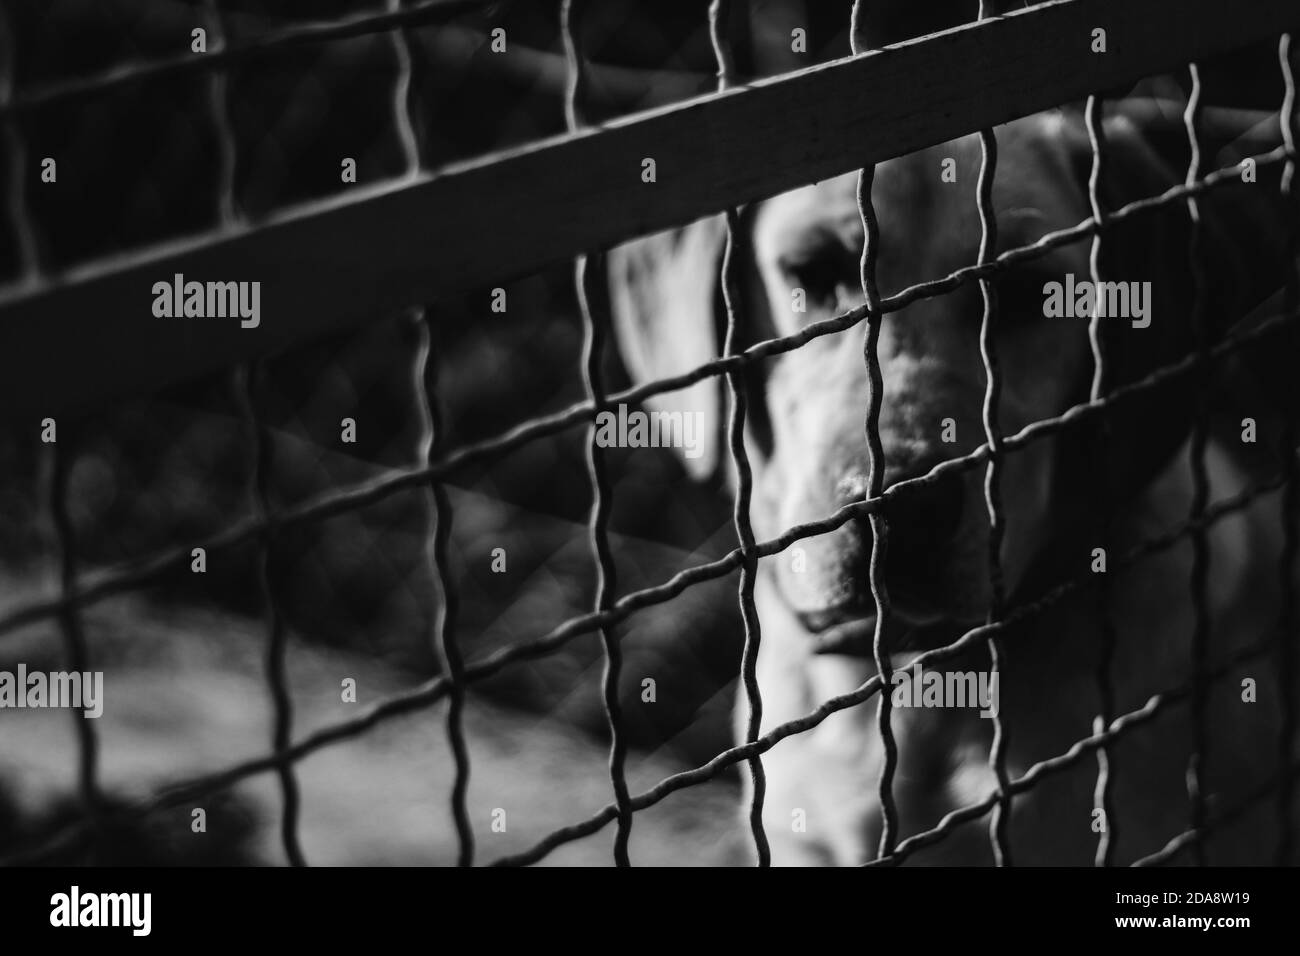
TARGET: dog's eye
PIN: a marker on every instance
(822, 278)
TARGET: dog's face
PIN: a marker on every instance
(807, 246)
(808, 406)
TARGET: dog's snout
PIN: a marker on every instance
(827, 581)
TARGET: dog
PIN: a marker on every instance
(1064, 496)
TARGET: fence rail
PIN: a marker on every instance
(68, 341)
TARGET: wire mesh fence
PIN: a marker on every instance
(395, 25)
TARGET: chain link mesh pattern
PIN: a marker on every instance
(436, 462)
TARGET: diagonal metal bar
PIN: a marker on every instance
(450, 231)
(1200, 570)
(339, 501)
(719, 12)
(876, 476)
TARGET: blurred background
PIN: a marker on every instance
(139, 164)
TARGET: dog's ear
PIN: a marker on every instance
(663, 293)
(1241, 259)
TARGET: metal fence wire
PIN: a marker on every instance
(436, 462)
